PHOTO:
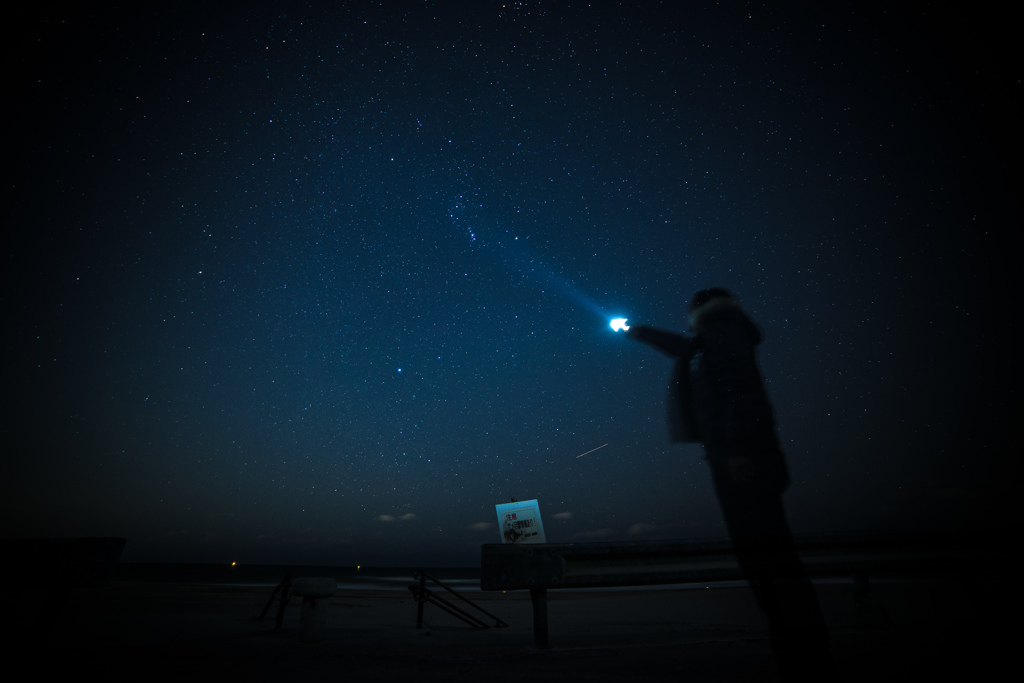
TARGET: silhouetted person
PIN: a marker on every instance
(717, 398)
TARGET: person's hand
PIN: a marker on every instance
(742, 470)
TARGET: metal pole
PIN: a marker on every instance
(420, 599)
(539, 597)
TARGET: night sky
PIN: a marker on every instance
(323, 283)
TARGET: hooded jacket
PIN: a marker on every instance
(716, 393)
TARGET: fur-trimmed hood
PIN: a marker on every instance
(721, 308)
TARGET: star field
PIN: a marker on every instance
(327, 284)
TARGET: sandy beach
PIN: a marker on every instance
(929, 629)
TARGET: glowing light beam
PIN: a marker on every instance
(619, 324)
(592, 450)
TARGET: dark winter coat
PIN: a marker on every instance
(716, 394)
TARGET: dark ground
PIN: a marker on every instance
(938, 628)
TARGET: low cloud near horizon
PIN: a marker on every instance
(407, 517)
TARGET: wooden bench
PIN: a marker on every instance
(542, 566)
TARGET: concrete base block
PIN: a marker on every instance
(314, 593)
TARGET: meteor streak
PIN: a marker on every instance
(592, 450)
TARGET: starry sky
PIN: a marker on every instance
(325, 282)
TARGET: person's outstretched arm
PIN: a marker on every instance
(669, 343)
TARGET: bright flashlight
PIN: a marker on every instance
(619, 324)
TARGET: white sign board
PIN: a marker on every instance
(520, 522)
